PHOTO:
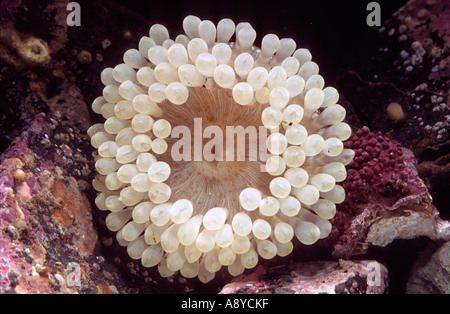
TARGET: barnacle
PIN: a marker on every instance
(196, 205)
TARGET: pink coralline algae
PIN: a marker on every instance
(45, 216)
(379, 173)
(385, 198)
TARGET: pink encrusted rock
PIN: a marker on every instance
(46, 220)
(343, 277)
(385, 198)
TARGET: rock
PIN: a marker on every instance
(343, 277)
(436, 175)
(58, 80)
(386, 199)
(431, 273)
(407, 63)
(36, 74)
(48, 242)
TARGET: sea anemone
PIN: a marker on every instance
(19, 52)
(33, 50)
(196, 205)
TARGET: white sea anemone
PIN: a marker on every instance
(195, 216)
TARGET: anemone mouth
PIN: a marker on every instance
(215, 153)
(206, 169)
(35, 50)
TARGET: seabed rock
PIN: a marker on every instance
(431, 272)
(343, 277)
(386, 198)
(48, 243)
